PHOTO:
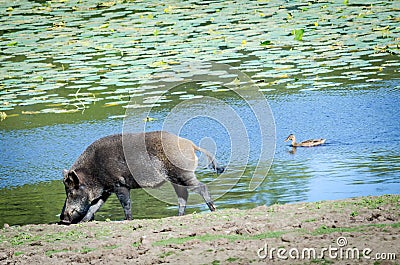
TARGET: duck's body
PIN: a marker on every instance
(307, 143)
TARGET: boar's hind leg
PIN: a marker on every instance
(183, 194)
(202, 190)
(194, 185)
(124, 198)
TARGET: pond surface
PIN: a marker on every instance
(68, 70)
(360, 157)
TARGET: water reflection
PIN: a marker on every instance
(359, 158)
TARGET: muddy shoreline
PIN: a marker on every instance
(363, 230)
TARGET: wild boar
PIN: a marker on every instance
(118, 163)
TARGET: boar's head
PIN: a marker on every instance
(79, 198)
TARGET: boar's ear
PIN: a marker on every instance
(71, 179)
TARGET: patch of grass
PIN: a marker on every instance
(111, 247)
(375, 202)
(395, 225)
(22, 238)
(136, 244)
(321, 261)
(354, 213)
(51, 252)
(178, 240)
(310, 220)
(231, 259)
(102, 232)
(369, 202)
(328, 230)
(209, 237)
(318, 205)
(216, 262)
(166, 254)
(269, 234)
(69, 235)
(338, 204)
(86, 250)
(18, 253)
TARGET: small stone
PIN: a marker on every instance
(36, 243)
(297, 225)
(144, 242)
(387, 238)
(390, 217)
(6, 226)
(136, 227)
(287, 238)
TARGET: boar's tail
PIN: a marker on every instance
(211, 159)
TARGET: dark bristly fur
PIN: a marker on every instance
(118, 163)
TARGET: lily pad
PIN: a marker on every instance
(265, 43)
(107, 49)
(298, 34)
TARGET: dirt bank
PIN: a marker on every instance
(358, 230)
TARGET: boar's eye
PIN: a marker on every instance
(72, 192)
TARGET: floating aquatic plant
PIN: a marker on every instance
(108, 48)
(265, 43)
(3, 115)
(298, 34)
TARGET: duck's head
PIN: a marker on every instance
(290, 137)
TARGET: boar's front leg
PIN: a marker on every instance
(92, 210)
(124, 198)
(94, 207)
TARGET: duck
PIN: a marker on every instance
(307, 143)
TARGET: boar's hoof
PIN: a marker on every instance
(220, 170)
(211, 206)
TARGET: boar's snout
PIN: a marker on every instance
(70, 215)
(67, 219)
(64, 220)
